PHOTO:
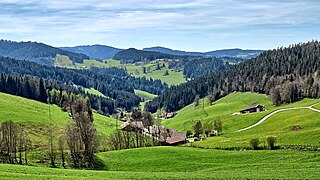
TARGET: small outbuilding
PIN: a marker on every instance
(253, 108)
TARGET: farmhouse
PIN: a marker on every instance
(132, 126)
(253, 108)
(164, 135)
(175, 138)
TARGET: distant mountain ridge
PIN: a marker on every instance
(238, 53)
(36, 52)
(97, 51)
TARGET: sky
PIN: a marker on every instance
(191, 25)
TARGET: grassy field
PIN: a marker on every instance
(94, 91)
(173, 78)
(34, 116)
(63, 61)
(145, 95)
(184, 163)
(280, 126)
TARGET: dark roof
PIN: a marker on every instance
(252, 107)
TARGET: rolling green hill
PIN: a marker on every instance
(174, 78)
(279, 125)
(34, 116)
(64, 61)
(224, 109)
(184, 163)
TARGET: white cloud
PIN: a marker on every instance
(81, 18)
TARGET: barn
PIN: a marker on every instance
(252, 108)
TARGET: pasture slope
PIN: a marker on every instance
(184, 163)
(280, 124)
(34, 116)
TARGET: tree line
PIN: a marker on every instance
(286, 74)
(43, 90)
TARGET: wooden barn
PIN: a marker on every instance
(253, 108)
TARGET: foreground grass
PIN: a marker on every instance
(184, 163)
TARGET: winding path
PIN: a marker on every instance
(275, 112)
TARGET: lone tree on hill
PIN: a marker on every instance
(196, 100)
(255, 143)
(144, 70)
(271, 142)
(158, 66)
(218, 125)
(198, 129)
(166, 73)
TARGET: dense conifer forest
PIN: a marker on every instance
(286, 74)
(112, 82)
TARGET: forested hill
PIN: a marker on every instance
(173, 52)
(98, 52)
(235, 53)
(36, 52)
(133, 55)
(112, 82)
(239, 53)
(287, 74)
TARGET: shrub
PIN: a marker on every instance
(255, 143)
(189, 133)
(271, 142)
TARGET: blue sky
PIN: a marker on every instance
(193, 25)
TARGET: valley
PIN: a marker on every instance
(144, 114)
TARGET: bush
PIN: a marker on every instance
(271, 142)
(255, 143)
(189, 133)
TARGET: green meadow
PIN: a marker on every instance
(184, 163)
(279, 125)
